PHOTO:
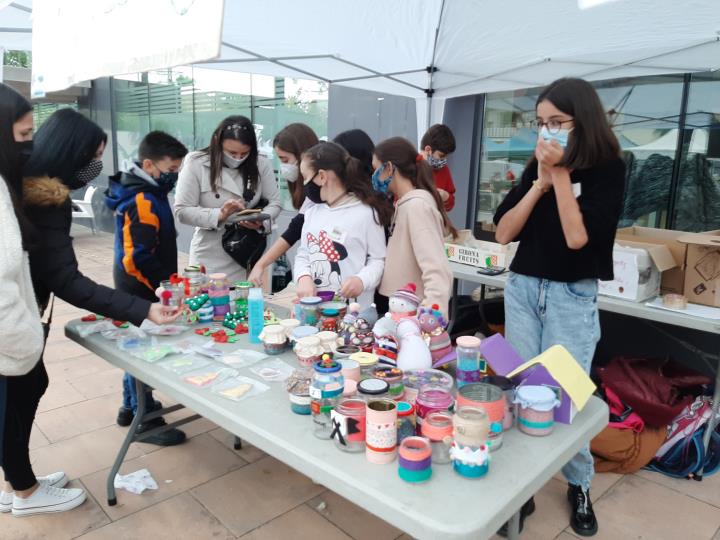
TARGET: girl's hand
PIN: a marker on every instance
(305, 287)
(548, 153)
(257, 275)
(160, 314)
(352, 287)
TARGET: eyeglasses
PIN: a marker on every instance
(553, 126)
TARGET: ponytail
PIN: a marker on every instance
(402, 154)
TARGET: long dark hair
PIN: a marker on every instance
(403, 155)
(236, 128)
(13, 107)
(350, 171)
(65, 143)
(359, 145)
(592, 140)
(295, 139)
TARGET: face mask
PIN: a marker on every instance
(312, 192)
(379, 185)
(289, 172)
(436, 163)
(167, 179)
(24, 150)
(561, 136)
(87, 174)
(231, 162)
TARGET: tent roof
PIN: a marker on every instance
(475, 45)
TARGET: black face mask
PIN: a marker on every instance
(312, 192)
(24, 150)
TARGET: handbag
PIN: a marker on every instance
(244, 245)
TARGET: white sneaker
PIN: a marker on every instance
(58, 480)
(48, 499)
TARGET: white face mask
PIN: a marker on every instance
(561, 136)
(289, 172)
(231, 162)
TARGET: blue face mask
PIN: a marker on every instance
(167, 179)
(561, 136)
(380, 185)
(436, 163)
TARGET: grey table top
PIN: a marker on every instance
(606, 303)
(447, 507)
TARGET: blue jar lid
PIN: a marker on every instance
(311, 300)
(327, 366)
(304, 331)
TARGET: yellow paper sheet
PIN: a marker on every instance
(566, 371)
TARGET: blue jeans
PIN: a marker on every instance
(540, 313)
(130, 396)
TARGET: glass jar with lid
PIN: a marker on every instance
(325, 391)
(432, 398)
(372, 389)
(394, 377)
(308, 310)
(348, 420)
(367, 362)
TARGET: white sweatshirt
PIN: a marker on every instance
(341, 242)
(20, 329)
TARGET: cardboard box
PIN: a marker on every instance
(673, 279)
(555, 368)
(702, 268)
(638, 268)
(481, 254)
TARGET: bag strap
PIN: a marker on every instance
(52, 308)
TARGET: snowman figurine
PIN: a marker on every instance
(404, 303)
(414, 352)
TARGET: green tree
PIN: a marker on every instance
(18, 59)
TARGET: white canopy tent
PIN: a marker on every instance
(429, 50)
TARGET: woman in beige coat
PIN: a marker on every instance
(416, 249)
(218, 182)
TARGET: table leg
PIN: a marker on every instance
(713, 419)
(238, 443)
(514, 526)
(129, 438)
(453, 306)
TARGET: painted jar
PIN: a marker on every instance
(415, 460)
(350, 369)
(348, 424)
(381, 431)
(325, 391)
(468, 360)
(536, 409)
(406, 424)
(508, 388)
(219, 291)
(394, 377)
(430, 399)
(308, 313)
(329, 319)
(367, 362)
(308, 350)
(438, 428)
(415, 379)
(242, 292)
(490, 398)
(369, 389)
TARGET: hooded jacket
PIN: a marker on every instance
(145, 236)
(53, 266)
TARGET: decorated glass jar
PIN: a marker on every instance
(381, 431)
(367, 362)
(302, 331)
(242, 291)
(289, 325)
(372, 389)
(328, 340)
(329, 319)
(492, 400)
(432, 398)
(415, 379)
(348, 424)
(350, 369)
(406, 424)
(536, 410)
(274, 339)
(195, 281)
(298, 388)
(346, 351)
(468, 360)
(309, 313)
(438, 428)
(219, 291)
(394, 377)
(325, 391)
(308, 350)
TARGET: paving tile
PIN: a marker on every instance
(60, 526)
(71, 369)
(179, 517)
(37, 438)
(298, 524)
(248, 452)
(708, 490)
(59, 394)
(63, 350)
(176, 469)
(100, 384)
(72, 420)
(255, 494)
(638, 508)
(86, 453)
(194, 428)
(565, 536)
(351, 519)
(552, 512)
(717, 535)
(602, 483)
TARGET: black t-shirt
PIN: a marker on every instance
(543, 251)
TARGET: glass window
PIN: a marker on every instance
(697, 203)
(644, 113)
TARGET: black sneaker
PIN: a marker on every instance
(527, 509)
(582, 516)
(171, 437)
(126, 416)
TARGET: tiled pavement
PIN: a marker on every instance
(208, 490)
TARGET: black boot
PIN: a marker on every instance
(582, 516)
(125, 416)
(170, 437)
(527, 509)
